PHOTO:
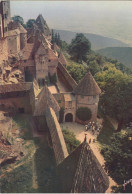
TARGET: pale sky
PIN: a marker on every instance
(30, 9)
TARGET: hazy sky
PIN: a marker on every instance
(30, 9)
(108, 18)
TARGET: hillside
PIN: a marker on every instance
(97, 41)
(124, 54)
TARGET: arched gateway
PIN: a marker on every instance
(69, 117)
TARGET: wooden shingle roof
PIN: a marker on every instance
(45, 99)
(87, 86)
(81, 172)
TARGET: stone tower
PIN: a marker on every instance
(87, 94)
(4, 16)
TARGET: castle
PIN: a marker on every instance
(38, 59)
(34, 80)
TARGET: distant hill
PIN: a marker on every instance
(124, 54)
(97, 41)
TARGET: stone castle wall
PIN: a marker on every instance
(58, 141)
(13, 104)
(3, 50)
(14, 44)
(52, 70)
(70, 107)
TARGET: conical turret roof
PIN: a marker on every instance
(45, 100)
(87, 86)
(81, 172)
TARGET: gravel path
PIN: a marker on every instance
(79, 131)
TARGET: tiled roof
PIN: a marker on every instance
(62, 59)
(56, 47)
(16, 25)
(22, 29)
(64, 74)
(27, 51)
(87, 86)
(15, 87)
(41, 23)
(51, 55)
(46, 99)
(81, 172)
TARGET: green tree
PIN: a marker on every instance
(30, 23)
(118, 158)
(53, 37)
(116, 94)
(19, 19)
(70, 139)
(94, 67)
(58, 40)
(84, 113)
(79, 47)
(77, 71)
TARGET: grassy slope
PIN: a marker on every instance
(123, 54)
(37, 166)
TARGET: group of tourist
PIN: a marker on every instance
(94, 127)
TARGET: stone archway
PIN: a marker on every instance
(69, 117)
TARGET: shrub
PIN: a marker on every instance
(84, 113)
